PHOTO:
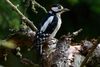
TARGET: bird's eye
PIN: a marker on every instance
(59, 7)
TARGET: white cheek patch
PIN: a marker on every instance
(55, 9)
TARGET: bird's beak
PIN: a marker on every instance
(66, 9)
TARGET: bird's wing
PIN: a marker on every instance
(47, 22)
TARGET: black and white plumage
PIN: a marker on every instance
(50, 26)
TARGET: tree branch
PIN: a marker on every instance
(27, 21)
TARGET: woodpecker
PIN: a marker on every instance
(50, 26)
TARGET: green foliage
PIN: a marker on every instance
(95, 6)
(73, 2)
(8, 19)
(14, 24)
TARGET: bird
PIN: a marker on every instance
(49, 27)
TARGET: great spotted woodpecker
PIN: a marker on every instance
(50, 26)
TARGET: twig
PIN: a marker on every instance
(29, 62)
(36, 3)
(27, 21)
(89, 54)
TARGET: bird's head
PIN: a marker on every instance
(57, 8)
